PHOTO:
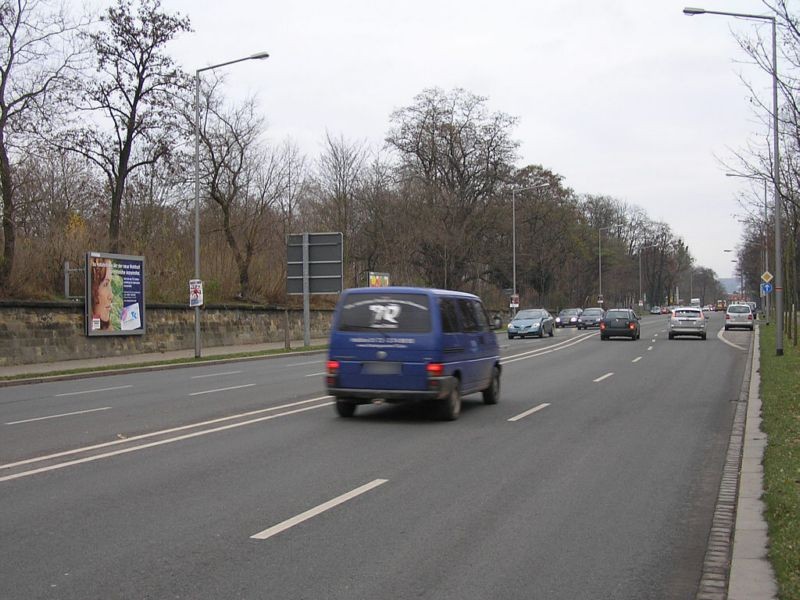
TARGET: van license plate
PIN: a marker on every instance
(381, 368)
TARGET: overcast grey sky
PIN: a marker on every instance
(627, 98)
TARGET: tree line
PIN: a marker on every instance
(96, 153)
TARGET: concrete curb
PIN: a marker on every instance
(736, 566)
(752, 577)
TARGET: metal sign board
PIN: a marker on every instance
(195, 293)
(766, 288)
(320, 257)
(766, 277)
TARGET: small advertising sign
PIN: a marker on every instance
(195, 292)
(114, 294)
(378, 279)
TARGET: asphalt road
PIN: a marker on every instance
(594, 477)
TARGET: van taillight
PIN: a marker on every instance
(750, 317)
(435, 369)
(632, 325)
(333, 371)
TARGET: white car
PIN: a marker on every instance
(739, 315)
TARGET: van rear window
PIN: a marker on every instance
(402, 313)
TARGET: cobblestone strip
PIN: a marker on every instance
(717, 562)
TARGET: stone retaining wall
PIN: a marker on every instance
(35, 332)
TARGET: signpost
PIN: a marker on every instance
(313, 266)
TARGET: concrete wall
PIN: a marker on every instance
(34, 332)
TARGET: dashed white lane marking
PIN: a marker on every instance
(649, 348)
(69, 414)
(315, 374)
(225, 389)
(637, 359)
(529, 412)
(289, 523)
(601, 378)
(216, 374)
(302, 364)
(119, 387)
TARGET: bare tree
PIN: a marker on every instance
(132, 94)
(454, 155)
(38, 51)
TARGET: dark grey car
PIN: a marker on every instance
(591, 317)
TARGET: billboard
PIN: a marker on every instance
(114, 294)
(378, 279)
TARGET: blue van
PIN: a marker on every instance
(399, 344)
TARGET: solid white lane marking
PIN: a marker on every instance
(637, 359)
(156, 433)
(69, 414)
(119, 387)
(158, 443)
(225, 389)
(216, 374)
(289, 523)
(649, 348)
(315, 374)
(542, 351)
(529, 412)
(601, 378)
(731, 344)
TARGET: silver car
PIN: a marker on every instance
(739, 315)
(687, 321)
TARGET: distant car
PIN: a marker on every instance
(687, 321)
(568, 317)
(739, 315)
(620, 322)
(753, 307)
(590, 317)
(665, 310)
(532, 321)
(655, 310)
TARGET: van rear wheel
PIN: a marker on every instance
(345, 409)
(491, 394)
(450, 407)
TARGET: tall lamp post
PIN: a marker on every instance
(765, 258)
(258, 56)
(641, 300)
(600, 230)
(775, 165)
(514, 234)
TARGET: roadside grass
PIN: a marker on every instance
(163, 363)
(780, 396)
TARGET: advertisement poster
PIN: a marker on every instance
(114, 294)
(378, 279)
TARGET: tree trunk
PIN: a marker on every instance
(9, 227)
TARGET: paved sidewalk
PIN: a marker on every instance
(39, 370)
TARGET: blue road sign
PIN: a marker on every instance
(766, 288)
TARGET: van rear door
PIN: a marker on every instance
(383, 340)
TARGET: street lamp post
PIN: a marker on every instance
(258, 56)
(514, 234)
(600, 230)
(775, 165)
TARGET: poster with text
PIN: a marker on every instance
(114, 294)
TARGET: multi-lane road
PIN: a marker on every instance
(596, 476)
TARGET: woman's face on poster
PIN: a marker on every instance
(104, 297)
